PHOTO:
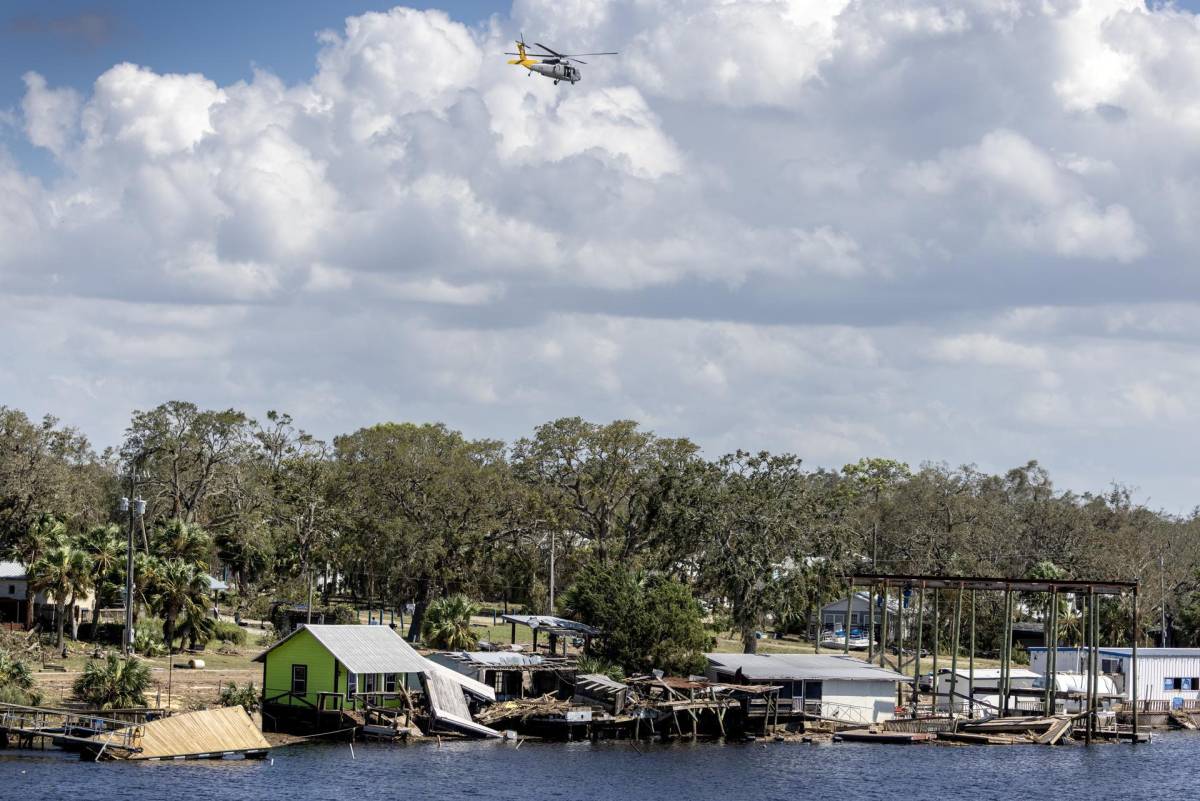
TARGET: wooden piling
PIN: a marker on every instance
(883, 634)
(1134, 664)
(1006, 652)
(937, 641)
(870, 623)
(953, 654)
(849, 611)
(971, 663)
(1051, 706)
(1094, 665)
(916, 693)
(1087, 638)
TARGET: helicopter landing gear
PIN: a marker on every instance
(556, 83)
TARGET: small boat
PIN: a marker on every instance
(837, 639)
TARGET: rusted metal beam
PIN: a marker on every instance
(998, 584)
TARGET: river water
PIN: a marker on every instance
(1167, 768)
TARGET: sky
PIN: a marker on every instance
(958, 232)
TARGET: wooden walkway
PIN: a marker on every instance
(26, 723)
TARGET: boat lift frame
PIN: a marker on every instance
(959, 585)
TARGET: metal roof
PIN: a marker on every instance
(1147, 652)
(1153, 652)
(12, 570)
(599, 681)
(497, 658)
(379, 649)
(552, 623)
(992, 673)
(800, 667)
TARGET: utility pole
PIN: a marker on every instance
(551, 573)
(135, 508)
(1162, 581)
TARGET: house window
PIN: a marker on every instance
(299, 679)
(12, 589)
(371, 682)
(351, 683)
(389, 682)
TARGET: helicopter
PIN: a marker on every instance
(550, 63)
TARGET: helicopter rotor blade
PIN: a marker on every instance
(576, 60)
(548, 50)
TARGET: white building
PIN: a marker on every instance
(985, 690)
(1164, 674)
(14, 584)
(831, 686)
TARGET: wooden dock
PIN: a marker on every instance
(26, 725)
(887, 737)
(206, 734)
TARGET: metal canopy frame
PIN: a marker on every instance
(917, 585)
(993, 584)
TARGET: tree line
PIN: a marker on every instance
(402, 513)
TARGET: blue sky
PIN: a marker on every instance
(70, 42)
(933, 231)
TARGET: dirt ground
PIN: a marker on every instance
(173, 684)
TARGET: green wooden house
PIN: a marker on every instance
(349, 667)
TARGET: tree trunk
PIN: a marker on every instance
(749, 642)
(169, 631)
(96, 618)
(418, 616)
(60, 624)
(30, 595)
(74, 619)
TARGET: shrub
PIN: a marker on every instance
(447, 624)
(246, 697)
(594, 664)
(114, 683)
(16, 682)
(230, 633)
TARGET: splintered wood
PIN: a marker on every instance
(522, 709)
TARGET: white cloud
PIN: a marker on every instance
(929, 230)
(987, 349)
(155, 114)
(50, 114)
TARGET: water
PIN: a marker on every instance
(617, 772)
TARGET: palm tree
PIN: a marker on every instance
(103, 544)
(179, 540)
(63, 573)
(113, 684)
(197, 625)
(176, 585)
(28, 548)
(447, 624)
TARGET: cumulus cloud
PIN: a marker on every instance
(926, 230)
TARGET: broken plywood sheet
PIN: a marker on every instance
(448, 706)
(194, 735)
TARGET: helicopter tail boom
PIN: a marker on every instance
(522, 59)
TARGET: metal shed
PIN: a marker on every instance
(831, 686)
